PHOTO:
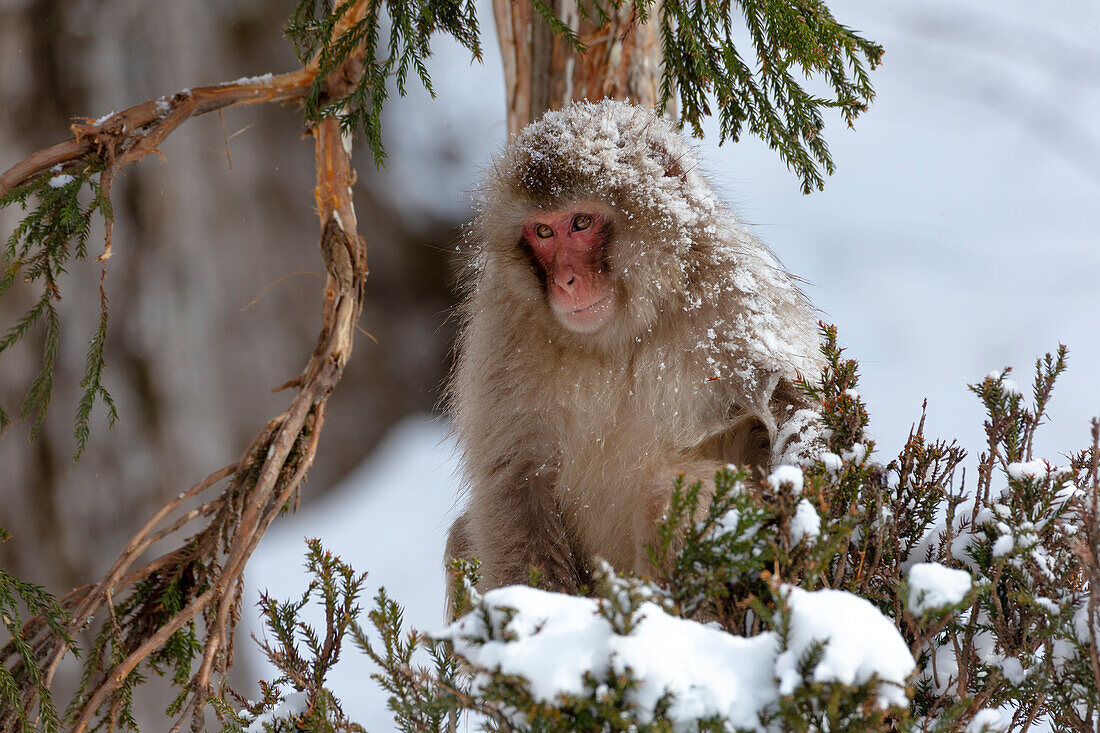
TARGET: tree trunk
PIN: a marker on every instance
(541, 71)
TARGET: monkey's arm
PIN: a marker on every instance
(513, 523)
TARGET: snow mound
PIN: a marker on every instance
(791, 475)
(554, 640)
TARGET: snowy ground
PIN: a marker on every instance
(959, 235)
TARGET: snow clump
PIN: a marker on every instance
(860, 643)
(933, 586)
(987, 720)
(293, 706)
(805, 524)
(1030, 469)
(790, 475)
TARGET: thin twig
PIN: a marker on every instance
(126, 558)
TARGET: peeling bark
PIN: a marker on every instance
(622, 59)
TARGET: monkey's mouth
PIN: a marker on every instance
(601, 303)
(588, 318)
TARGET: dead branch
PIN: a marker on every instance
(271, 470)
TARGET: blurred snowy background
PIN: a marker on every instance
(960, 234)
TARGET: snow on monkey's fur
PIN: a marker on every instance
(585, 432)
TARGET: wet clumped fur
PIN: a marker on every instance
(572, 441)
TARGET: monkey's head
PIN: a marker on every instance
(589, 219)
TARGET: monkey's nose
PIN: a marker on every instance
(566, 280)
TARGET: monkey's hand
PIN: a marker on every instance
(798, 440)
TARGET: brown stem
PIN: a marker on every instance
(134, 548)
(121, 671)
(154, 120)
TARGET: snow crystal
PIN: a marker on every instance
(861, 643)
(805, 524)
(987, 720)
(933, 586)
(791, 475)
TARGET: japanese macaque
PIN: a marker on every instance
(619, 330)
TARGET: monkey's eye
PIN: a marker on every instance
(543, 231)
(581, 221)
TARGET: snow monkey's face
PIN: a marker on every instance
(568, 250)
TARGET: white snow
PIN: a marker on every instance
(833, 462)
(552, 640)
(1003, 545)
(805, 524)
(60, 181)
(933, 586)
(1037, 468)
(260, 79)
(987, 720)
(556, 639)
(861, 643)
(858, 453)
(787, 475)
(291, 706)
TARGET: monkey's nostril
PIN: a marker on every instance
(570, 282)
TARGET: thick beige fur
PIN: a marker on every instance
(571, 442)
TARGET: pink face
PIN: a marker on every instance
(568, 247)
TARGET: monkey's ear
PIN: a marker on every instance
(670, 162)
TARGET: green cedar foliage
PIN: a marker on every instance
(38, 251)
(760, 89)
(411, 26)
(21, 675)
(1024, 639)
(298, 700)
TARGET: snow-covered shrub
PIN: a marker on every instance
(842, 594)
